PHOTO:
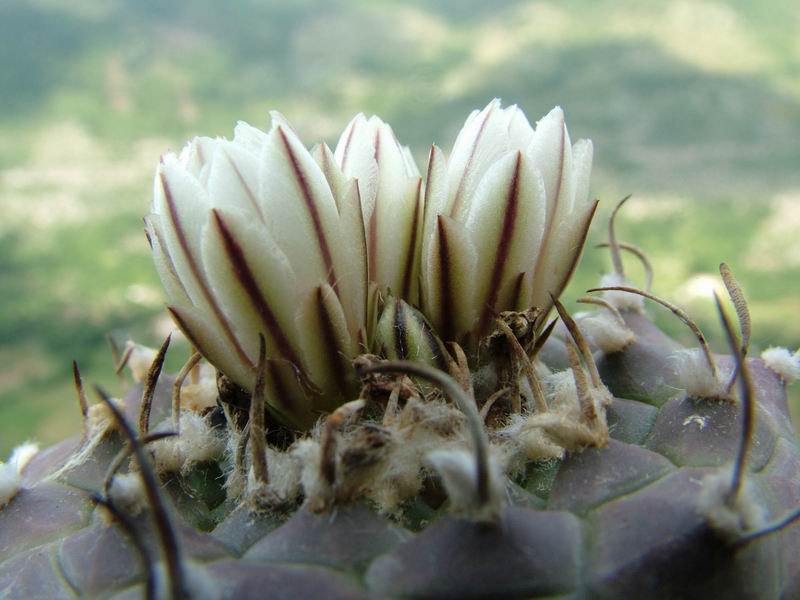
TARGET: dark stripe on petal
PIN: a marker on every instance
(198, 275)
(551, 215)
(400, 330)
(194, 340)
(247, 280)
(334, 352)
(162, 246)
(516, 291)
(578, 250)
(445, 282)
(411, 251)
(250, 195)
(504, 245)
(281, 395)
(429, 179)
(313, 212)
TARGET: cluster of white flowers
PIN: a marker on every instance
(260, 235)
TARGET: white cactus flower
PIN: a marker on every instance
(252, 236)
(257, 235)
(505, 219)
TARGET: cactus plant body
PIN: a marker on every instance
(386, 397)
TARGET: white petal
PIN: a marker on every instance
(355, 155)
(301, 212)
(582, 152)
(164, 266)
(243, 269)
(327, 345)
(212, 343)
(558, 259)
(233, 180)
(354, 269)
(249, 138)
(483, 140)
(506, 224)
(333, 174)
(183, 205)
(551, 152)
(436, 194)
(449, 275)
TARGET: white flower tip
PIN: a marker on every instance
(278, 120)
(493, 103)
(783, 362)
(555, 116)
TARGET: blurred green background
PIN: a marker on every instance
(694, 107)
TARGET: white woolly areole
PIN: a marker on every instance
(605, 331)
(731, 519)
(127, 493)
(101, 419)
(315, 488)
(783, 362)
(284, 471)
(562, 427)
(197, 397)
(140, 359)
(459, 473)
(420, 428)
(10, 483)
(622, 300)
(694, 374)
(22, 455)
(235, 482)
(197, 443)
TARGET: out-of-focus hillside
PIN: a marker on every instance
(692, 106)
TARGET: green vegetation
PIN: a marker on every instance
(694, 107)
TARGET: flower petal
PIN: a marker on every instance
(551, 152)
(301, 212)
(328, 346)
(559, 260)
(582, 154)
(449, 274)
(233, 180)
(211, 342)
(244, 267)
(390, 190)
(183, 204)
(483, 140)
(164, 265)
(506, 221)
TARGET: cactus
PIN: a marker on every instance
(404, 420)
